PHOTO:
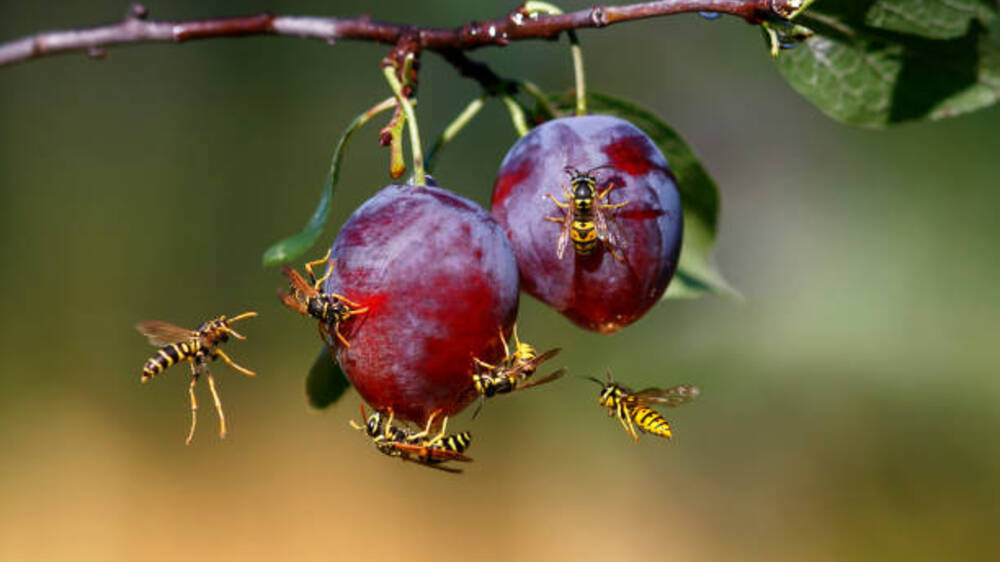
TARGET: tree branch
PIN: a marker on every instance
(516, 26)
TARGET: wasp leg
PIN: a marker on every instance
(556, 219)
(194, 403)
(614, 206)
(437, 438)
(218, 407)
(343, 340)
(323, 335)
(388, 423)
(244, 370)
(427, 429)
(627, 417)
(349, 302)
(312, 276)
(483, 364)
(557, 202)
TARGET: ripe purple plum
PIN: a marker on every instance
(601, 291)
(440, 281)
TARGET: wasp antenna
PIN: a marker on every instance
(598, 381)
(243, 316)
(610, 378)
(595, 168)
(235, 334)
(571, 171)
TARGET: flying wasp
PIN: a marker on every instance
(330, 309)
(633, 409)
(513, 370)
(408, 445)
(585, 218)
(197, 347)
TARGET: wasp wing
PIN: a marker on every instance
(563, 242)
(533, 363)
(546, 379)
(669, 397)
(164, 333)
(429, 455)
(608, 230)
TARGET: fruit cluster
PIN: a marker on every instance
(421, 288)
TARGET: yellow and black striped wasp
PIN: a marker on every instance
(419, 447)
(633, 409)
(513, 371)
(197, 347)
(330, 309)
(585, 218)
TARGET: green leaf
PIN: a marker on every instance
(326, 382)
(940, 19)
(696, 273)
(881, 62)
(297, 244)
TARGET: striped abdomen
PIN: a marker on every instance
(583, 234)
(650, 421)
(455, 443)
(167, 356)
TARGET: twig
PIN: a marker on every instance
(516, 26)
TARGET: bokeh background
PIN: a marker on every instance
(849, 406)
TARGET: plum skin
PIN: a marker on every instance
(596, 292)
(440, 280)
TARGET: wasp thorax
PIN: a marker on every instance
(316, 308)
(620, 210)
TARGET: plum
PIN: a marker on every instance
(440, 281)
(616, 283)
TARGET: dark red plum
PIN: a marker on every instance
(596, 291)
(440, 280)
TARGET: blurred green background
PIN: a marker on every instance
(848, 407)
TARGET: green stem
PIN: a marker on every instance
(419, 175)
(516, 115)
(539, 96)
(581, 83)
(534, 7)
(453, 129)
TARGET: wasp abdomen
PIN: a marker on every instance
(165, 357)
(457, 442)
(650, 421)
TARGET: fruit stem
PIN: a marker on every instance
(536, 93)
(419, 175)
(516, 115)
(453, 128)
(576, 51)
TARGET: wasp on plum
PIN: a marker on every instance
(513, 371)
(585, 219)
(198, 348)
(330, 309)
(408, 445)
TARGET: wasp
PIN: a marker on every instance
(408, 445)
(633, 409)
(513, 370)
(330, 309)
(585, 218)
(198, 348)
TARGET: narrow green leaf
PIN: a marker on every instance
(297, 244)
(874, 64)
(696, 272)
(326, 382)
